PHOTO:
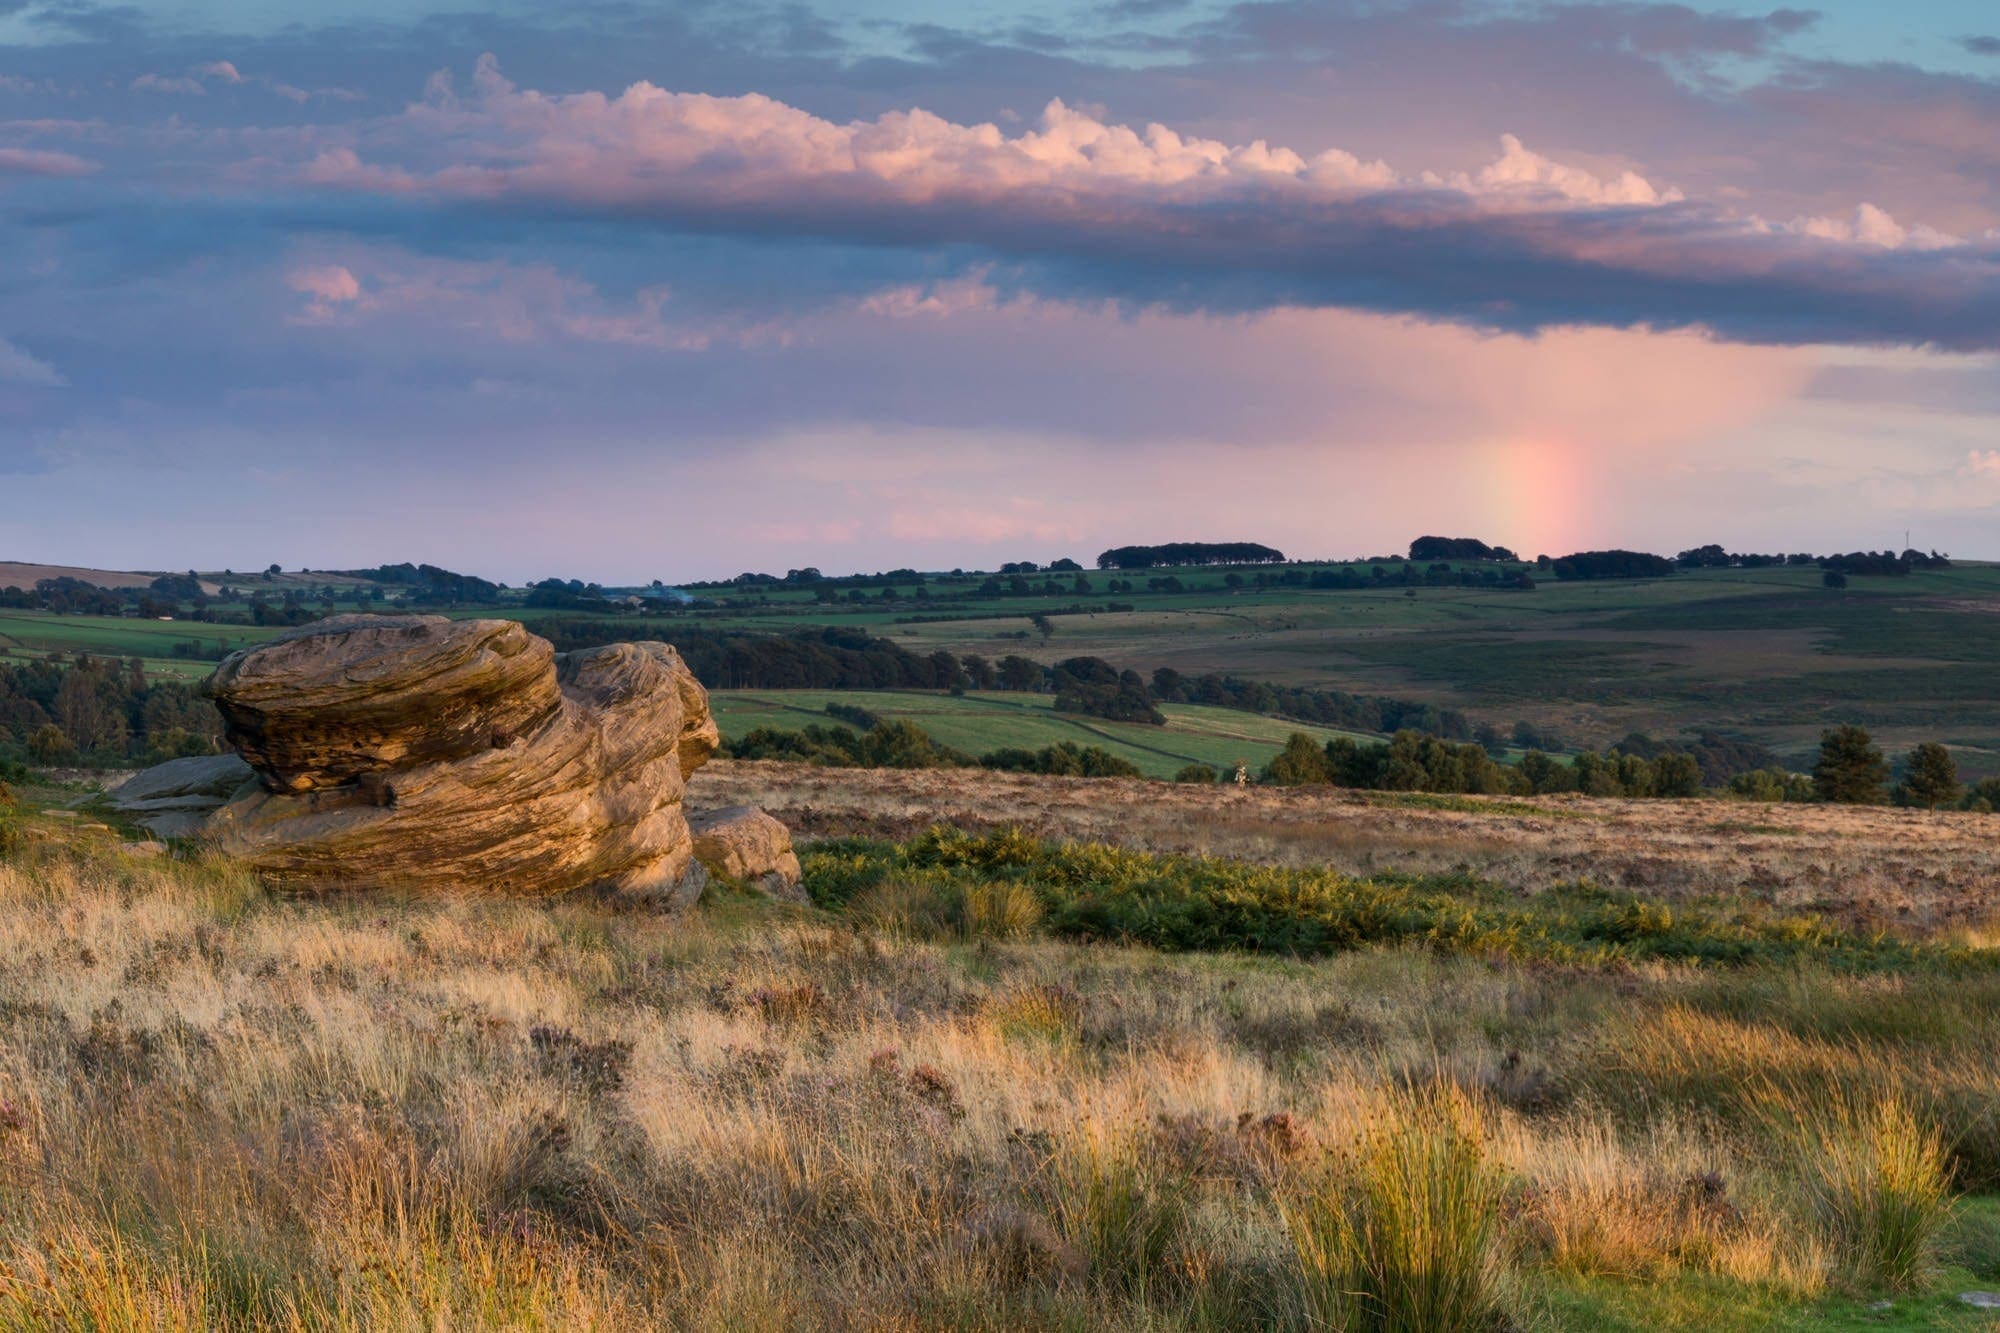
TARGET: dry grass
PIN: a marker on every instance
(1934, 875)
(223, 1109)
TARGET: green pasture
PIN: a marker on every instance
(982, 722)
(34, 634)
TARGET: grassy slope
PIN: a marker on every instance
(981, 722)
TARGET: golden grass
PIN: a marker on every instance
(1908, 871)
(224, 1109)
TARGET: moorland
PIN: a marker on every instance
(1693, 1041)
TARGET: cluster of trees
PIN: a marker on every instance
(102, 710)
(431, 583)
(1457, 548)
(1064, 759)
(906, 745)
(73, 597)
(1410, 762)
(1189, 553)
(1331, 708)
(1612, 565)
(1062, 566)
(1883, 564)
(1850, 770)
(1712, 556)
(1720, 758)
(1095, 688)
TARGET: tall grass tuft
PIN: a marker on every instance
(999, 909)
(1120, 1207)
(1398, 1235)
(1877, 1180)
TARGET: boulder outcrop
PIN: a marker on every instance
(176, 798)
(434, 754)
(742, 843)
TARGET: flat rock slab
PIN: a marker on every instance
(219, 776)
(1981, 1300)
(173, 799)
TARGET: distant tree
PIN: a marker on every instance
(275, 569)
(1043, 626)
(1930, 778)
(1833, 578)
(1676, 774)
(1850, 770)
(1020, 673)
(1760, 784)
(1196, 773)
(1301, 763)
(1613, 565)
(87, 706)
(48, 745)
(1546, 775)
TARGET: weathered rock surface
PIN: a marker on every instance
(742, 843)
(432, 754)
(326, 703)
(176, 798)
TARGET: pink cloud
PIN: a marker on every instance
(1527, 242)
(43, 162)
(161, 83)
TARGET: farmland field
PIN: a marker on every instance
(1765, 654)
(982, 722)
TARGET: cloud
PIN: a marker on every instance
(1981, 45)
(225, 72)
(1155, 215)
(161, 83)
(497, 301)
(20, 367)
(43, 162)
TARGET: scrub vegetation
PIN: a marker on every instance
(989, 1080)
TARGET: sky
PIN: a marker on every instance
(624, 290)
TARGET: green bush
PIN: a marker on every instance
(1092, 891)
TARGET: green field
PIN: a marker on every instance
(1767, 654)
(979, 723)
(33, 634)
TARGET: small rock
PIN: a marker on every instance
(744, 844)
(1981, 1300)
(149, 847)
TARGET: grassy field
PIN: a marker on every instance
(1768, 654)
(981, 722)
(956, 1093)
(31, 634)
